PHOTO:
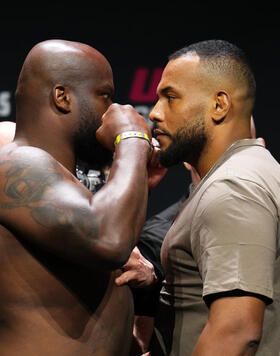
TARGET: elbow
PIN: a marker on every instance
(115, 259)
(249, 330)
(241, 335)
(247, 333)
(113, 254)
(101, 251)
(252, 336)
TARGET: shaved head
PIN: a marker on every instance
(59, 61)
(67, 85)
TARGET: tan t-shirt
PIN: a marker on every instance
(224, 239)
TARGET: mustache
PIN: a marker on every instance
(157, 128)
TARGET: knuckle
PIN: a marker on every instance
(114, 105)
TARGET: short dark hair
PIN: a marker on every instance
(222, 57)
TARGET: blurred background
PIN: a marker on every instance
(137, 41)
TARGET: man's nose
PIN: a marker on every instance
(155, 114)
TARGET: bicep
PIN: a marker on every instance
(41, 200)
(232, 312)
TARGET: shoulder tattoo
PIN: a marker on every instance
(23, 186)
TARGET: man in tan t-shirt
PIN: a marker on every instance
(221, 290)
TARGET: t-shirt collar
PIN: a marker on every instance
(228, 153)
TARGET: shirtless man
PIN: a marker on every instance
(61, 247)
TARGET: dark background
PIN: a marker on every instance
(142, 37)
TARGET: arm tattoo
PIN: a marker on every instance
(25, 187)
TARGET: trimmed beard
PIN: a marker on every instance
(87, 148)
(186, 145)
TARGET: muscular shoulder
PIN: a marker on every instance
(250, 169)
(31, 163)
(26, 156)
(249, 175)
(233, 210)
(236, 192)
(27, 174)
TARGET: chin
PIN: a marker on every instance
(164, 141)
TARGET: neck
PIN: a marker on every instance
(216, 147)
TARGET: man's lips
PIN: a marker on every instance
(159, 132)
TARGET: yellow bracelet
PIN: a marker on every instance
(131, 134)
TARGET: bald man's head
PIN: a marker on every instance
(60, 61)
(67, 85)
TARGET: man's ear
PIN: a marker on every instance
(222, 105)
(61, 98)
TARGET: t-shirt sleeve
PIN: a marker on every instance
(235, 238)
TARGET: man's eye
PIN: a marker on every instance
(170, 97)
(107, 95)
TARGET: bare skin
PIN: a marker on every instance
(62, 247)
(7, 132)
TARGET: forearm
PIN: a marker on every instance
(120, 205)
(143, 330)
